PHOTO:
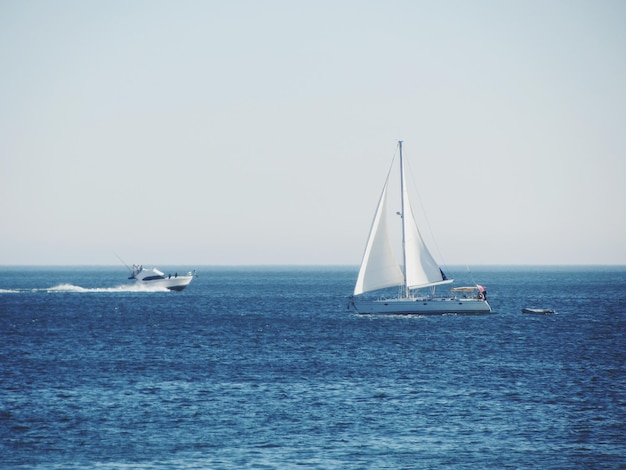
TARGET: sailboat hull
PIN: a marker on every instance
(428, 306)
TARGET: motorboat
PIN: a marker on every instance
(152, 277)
(538, 311)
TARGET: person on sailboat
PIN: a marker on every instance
(482, 292)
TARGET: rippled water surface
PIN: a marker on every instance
(265, 368)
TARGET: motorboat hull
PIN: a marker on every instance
(423, 306)
(174, 283)
(538, 311)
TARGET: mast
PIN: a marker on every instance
(406, 287)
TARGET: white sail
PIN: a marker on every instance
(421, 268)
(379, 268)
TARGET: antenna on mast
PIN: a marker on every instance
(122, 261)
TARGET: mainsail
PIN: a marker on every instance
(421, 268)
(380, 268)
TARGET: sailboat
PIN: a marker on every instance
(418, 271)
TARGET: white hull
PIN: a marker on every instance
(424, 306)
(538, 311)
(178, 283)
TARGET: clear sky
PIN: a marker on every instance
(260, 132)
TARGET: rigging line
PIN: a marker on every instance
(470, 274)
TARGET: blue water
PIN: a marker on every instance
(265, 368)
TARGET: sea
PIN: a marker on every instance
(266, 368)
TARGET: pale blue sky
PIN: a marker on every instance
(260, 132)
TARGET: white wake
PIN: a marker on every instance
(78, 289)
(116, 289)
